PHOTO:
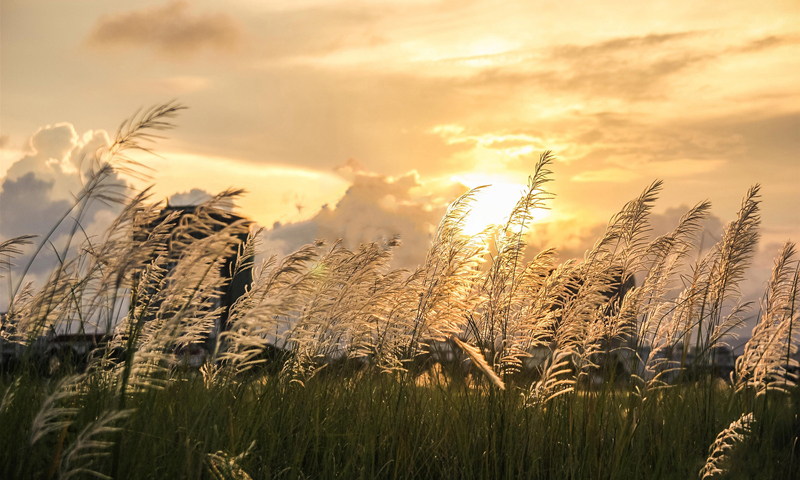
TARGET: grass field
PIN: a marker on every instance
(323, 368)
(379, 427)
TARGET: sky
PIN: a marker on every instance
(364, 119)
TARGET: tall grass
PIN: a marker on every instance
(326, 366)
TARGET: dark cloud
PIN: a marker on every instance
(632, 140)
(57, 154)
(765, 43)
(616, 46)
(711, 228)
(376, 207)
(617, 137)
(197, 196)
(171, 29)
(27, 206)
(5, 140)
(756, 146)
(324, 115)
(573, 237)
(316, 116)
(40, 188)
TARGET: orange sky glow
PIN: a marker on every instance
(364, 119)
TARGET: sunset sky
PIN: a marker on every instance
(362, 119)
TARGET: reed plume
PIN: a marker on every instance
(725, 442)
(89, 445)
(52, 416)
(726, 263)
(478, 359)
(506, 322)
(429, 304)
(767, 356)
(154, 284)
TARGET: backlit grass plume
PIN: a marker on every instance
(767, 359)
(724, 444)
(486, 361)
(507, 320)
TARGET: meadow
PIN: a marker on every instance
(486, 361)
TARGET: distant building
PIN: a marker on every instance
(78, 345)
(216, 220)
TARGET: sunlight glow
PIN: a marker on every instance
(493, 204)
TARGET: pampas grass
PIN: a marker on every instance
(546, 369)
(724, 444)
(503, 322)
(768, 354)
(51, 416)
(477, 357)
(89, 445)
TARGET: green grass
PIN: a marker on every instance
(379, 426)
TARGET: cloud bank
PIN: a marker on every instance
(375, 208)
(39, 189)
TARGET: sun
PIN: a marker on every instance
(493, 204)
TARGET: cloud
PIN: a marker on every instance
(573, 236)
(56, 154)
(630, 68)
(665, 222)
(374, 208)
(27, 206)
(619, 45)
(40, 188)
(171, 29)
(195, 196)
(377, 207)
(320, 114)
(757, 135)
(612, 146)
(323, 114)
(765, 43)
